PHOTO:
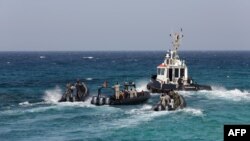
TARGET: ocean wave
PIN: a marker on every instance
(141, 85)
(191, 111)
(221, 93)
(89, 78)
(88, 57)
(146, 114)
(24, 103)
(86, 103)
(42, 57)
(53, 95)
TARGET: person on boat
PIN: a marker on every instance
(172, 101)
(165, 99)
(190, 81)
(79, 87)
(180, 81)
(131, 93)
(69, 91)
(105, 84)
(117, 90)
(134, 93)
(175, 97)
(99, 92)
(121, 95)
(163, 102)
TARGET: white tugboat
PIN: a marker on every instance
(172, 74)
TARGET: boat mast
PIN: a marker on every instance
(176, 40)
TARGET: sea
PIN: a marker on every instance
(31, 83)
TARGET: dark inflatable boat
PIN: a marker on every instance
(170, 101)
(77, 92)
(127, 96)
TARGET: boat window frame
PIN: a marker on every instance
(176, 74)
(158, 71)
(162, 71)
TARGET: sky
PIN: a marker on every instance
(118, 25)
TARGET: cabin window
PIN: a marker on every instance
(170, 74)
(176, 72)
(158, 71)
(162, 71)
(182, 72)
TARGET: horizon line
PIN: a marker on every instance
(115, 50)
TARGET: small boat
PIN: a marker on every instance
(173, 72)
(170, 101)
(77, 92)
(127, 96)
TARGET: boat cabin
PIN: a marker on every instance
(173, 68)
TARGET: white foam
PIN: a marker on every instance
(88, 57)
(146, 114)
(86, 103)
(42, 57)
(53, 95)
(138, 116)
(192, 111)
(141, 85)
(24, 103)
(222, 93)
(89, 78)
(187, 93)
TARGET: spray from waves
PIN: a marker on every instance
(146, 114)
(222, 93)
(192, 111)
(42, 57)
(89, 78)
(25, 103)
(53, 95)
(141, 85)
(88, 57)
(86, 103)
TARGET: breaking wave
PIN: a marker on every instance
(24, 103)
(141, 85)
(89, 78)
(88, 57)
(42, 57)
(53, 95)
(192, 111)
(145, 114)
(221, 93)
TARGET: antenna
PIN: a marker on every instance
(176, 39)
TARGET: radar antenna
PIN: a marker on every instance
(176, 39)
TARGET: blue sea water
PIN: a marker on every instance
(32, 82)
